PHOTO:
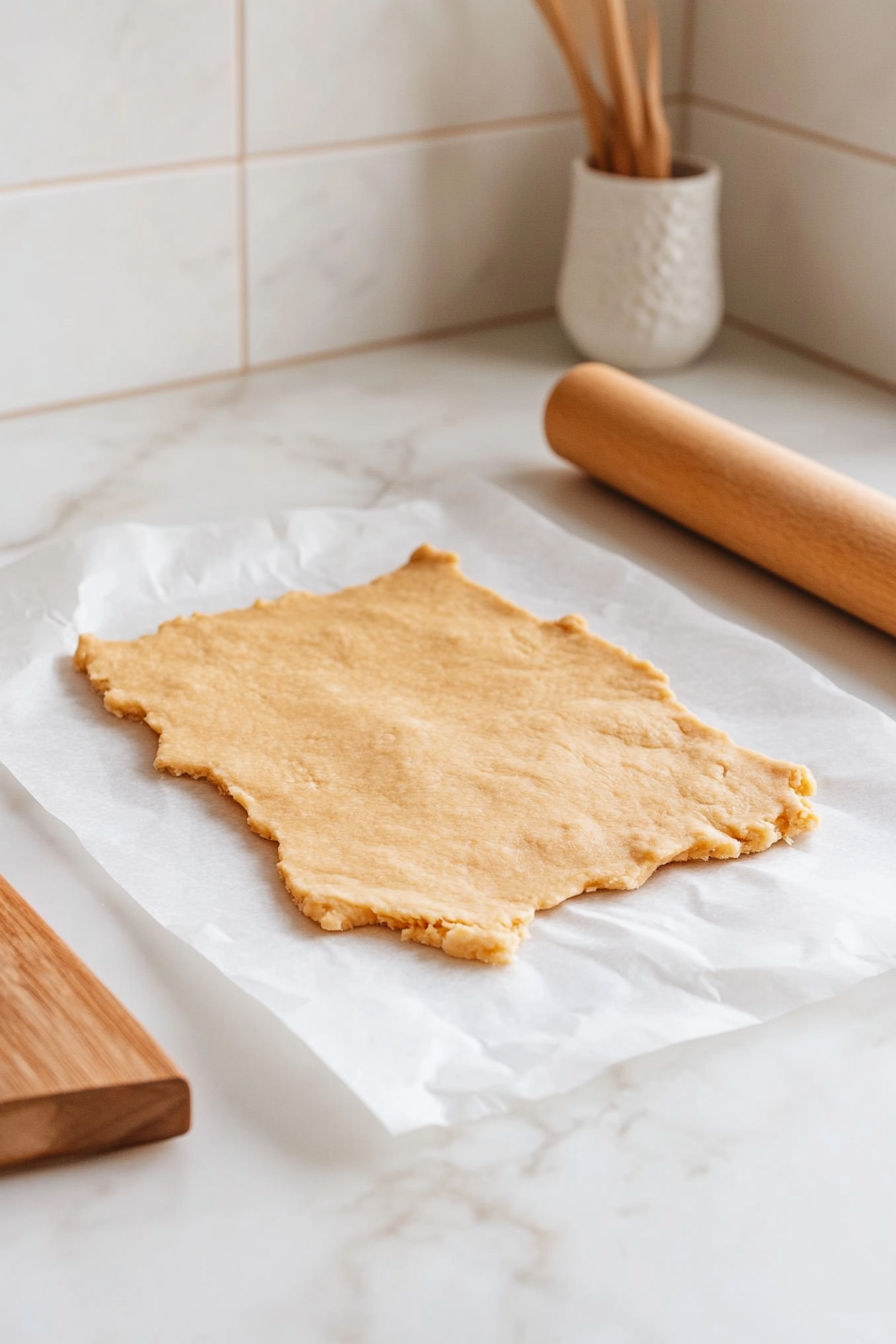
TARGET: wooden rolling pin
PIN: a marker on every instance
(806, 522)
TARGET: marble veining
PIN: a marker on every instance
(730, 1190)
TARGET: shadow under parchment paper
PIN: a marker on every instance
(719, 580)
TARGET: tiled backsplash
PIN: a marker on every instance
(796, 99)
(405, 237)
(192, 187)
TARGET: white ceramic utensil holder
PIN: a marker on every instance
(641, 282)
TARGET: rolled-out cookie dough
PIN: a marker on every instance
(430, 757)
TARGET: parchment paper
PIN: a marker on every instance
(423, 1039)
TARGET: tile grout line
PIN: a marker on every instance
(427, 136)
(242, 242)
(112, 175)
(122, 394)
(434, 133)
(229, 161)
(397, 342)
(686, 100)
(797, 132)
(115, 175)
(290, 361)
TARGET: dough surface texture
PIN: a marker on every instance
(432, 758)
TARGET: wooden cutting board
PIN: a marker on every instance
(78, 1075)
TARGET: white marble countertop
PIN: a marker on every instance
(728, 1191)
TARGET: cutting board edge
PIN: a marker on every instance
(93, 1120)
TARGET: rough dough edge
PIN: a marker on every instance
(463, 941)
(468, 942)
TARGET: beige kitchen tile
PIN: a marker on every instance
(807, 237)
(354, 69)
(822, 65)
(673, 22)
(385, 241)
(676, 117)
(116, 285)
(103, 85)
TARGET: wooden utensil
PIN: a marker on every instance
(657, 155)
(592, 104)
(821, 530)
(628, 134)
(78, 1075)
(622, 76)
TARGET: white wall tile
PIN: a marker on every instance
(824, 65)
(116, 285)
(808, 240)
(360, 245)
(90, 86)
(319, 73)
(354, 69)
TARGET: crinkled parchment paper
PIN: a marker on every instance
(423, 1039)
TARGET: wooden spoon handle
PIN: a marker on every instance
(657, 140)
(622, 72)
(591, 102)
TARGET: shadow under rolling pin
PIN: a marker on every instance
(811, 525)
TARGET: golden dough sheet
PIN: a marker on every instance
(430, 757)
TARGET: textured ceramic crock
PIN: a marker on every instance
(641, 282)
